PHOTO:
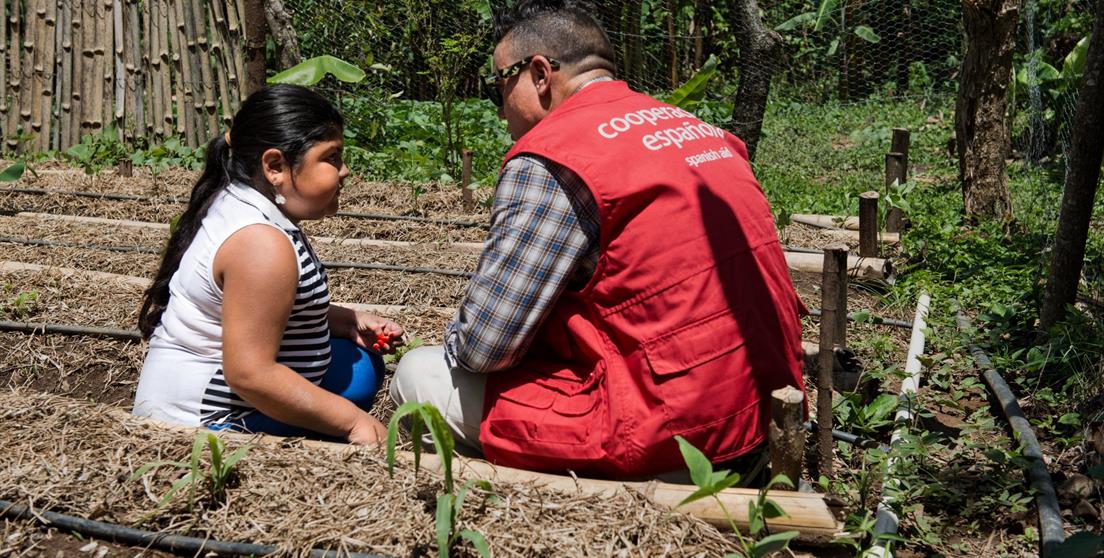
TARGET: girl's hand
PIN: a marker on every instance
(377, 333)
(367, 430)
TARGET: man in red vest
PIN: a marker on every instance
(632, 287)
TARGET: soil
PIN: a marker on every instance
(104, 372)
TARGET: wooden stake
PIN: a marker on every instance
(88, 70)
(60, 77)
(465, 181)
(76, 84)
(835, 258)
(842, 277)
(868, 224)
(103, 81)
(49, 65)
(900, 144)
(36, 56)
(232, 41)
(185, 97)
(223, 66)
(787, 437)
(27, 98)
(12, 122)
(125, 168)
(894, 163)
(134, 66)
(895, 173)
(153, 59)
(203, 54)
(120, 78)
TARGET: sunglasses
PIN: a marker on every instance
(492, 82)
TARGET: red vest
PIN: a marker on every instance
(689, 321)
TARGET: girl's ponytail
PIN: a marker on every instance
(213, 179)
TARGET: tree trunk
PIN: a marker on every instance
(287, 42)
(904, 47)
(1082, 180)
(698, 32)
(253, 19)
(759, 48)
(672, 45)
(981, 129)
(632, 46)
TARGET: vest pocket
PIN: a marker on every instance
(554, 408)
(694, 344)
(700, 376)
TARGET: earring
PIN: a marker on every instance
(280, 199)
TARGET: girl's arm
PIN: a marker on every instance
(258, 273)
(364, 328)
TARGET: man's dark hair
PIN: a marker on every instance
(560, 29)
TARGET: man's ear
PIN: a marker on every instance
(273, 166)
(541, 71)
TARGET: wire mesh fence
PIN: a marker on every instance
(421, 103)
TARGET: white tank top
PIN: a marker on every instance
(182, 379)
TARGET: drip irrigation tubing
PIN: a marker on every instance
(57, 244)
(180, 544)
(176, 200)
(146, 250)
(65, 329)
(845, 437)
(1050, 517)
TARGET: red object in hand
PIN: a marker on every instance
(382, 339)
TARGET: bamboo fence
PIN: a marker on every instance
(151, 69)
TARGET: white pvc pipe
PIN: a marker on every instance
(886, 520)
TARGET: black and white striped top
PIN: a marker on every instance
(182, 378)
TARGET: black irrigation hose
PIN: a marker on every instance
(174, 199)
(873, 319)
(56, 244)
(845, 437)
(63, 329)
(386, 267)
(94, 195)
(1050, 518)
(180, 544)
(145, 250)
(415, 218)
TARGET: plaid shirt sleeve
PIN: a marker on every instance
(543, 239)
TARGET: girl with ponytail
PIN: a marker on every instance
(241, 331)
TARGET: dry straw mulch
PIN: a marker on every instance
(75, 457)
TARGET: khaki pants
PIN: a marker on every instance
(424, 376)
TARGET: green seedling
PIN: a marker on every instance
(217, 478)
(710, 483)
(449, 503)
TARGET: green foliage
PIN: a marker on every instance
(710, 483)
(20, 304)
(221, 473)
(13, 172)
(313, 70)
(170, 154)
(865, 420)
(693, 91)
(426, 416)
(96, 152)
(400, 351)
